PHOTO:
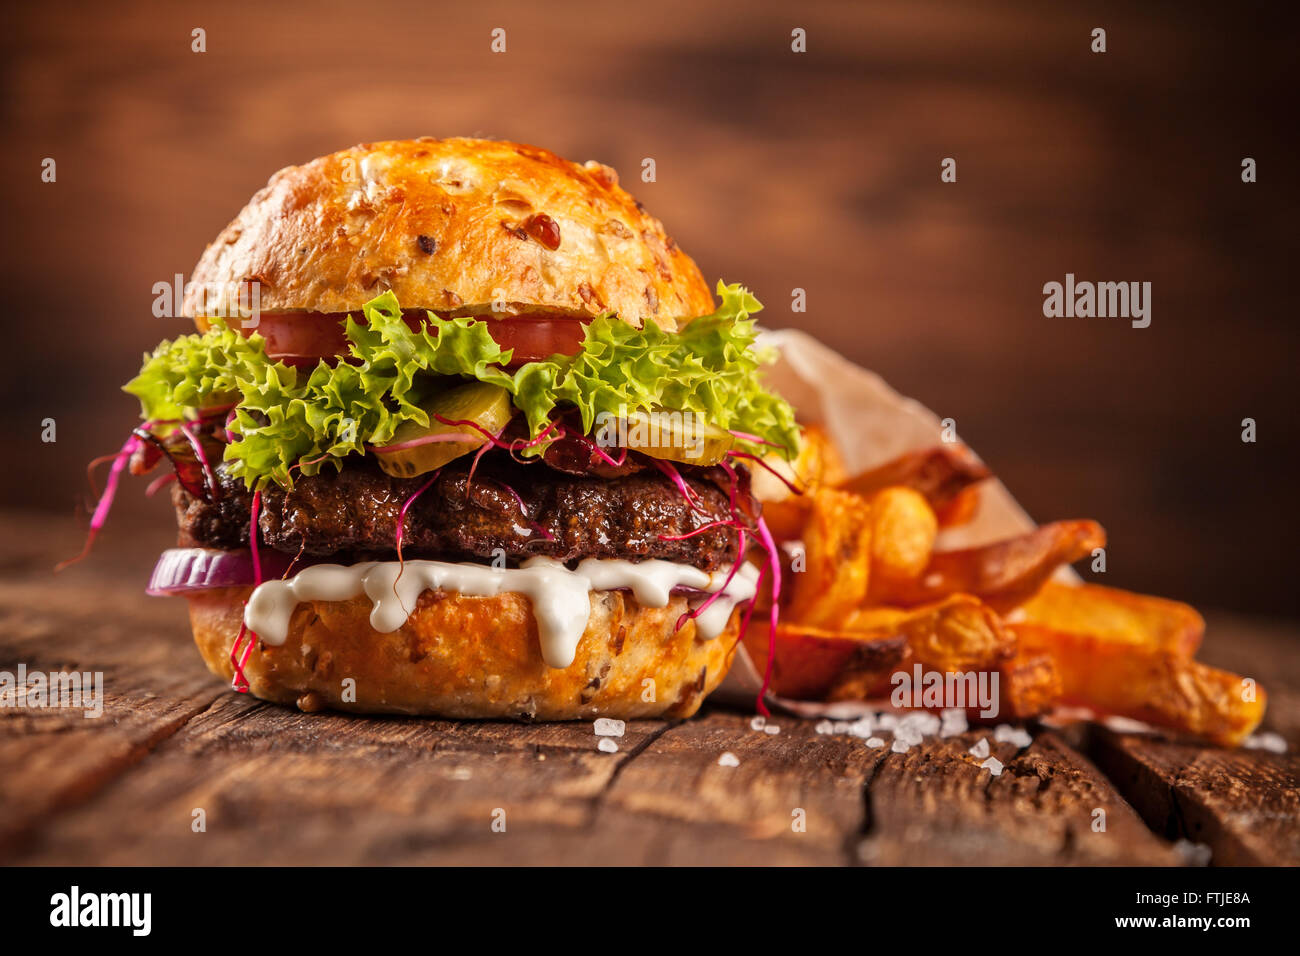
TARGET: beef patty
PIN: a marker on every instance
(521, 510)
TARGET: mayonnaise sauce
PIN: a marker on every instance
(560, 597)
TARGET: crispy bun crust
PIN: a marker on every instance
(445, 224)
(466, 657)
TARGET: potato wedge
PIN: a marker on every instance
(829, 579)
(1030, 684)
(903, 529)
(1115, 616)
(810, 661)
(960, 509)
(817, 465)
(941, 474)
(1148, 683)
(947, 477)
(959, 633)
(1003, 574)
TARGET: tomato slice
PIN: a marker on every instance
(303, 338)
(534, 338)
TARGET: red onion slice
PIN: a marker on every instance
(181, 570)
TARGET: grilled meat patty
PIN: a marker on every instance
(522, 510)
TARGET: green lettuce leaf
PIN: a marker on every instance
(289, 420)
(710, 367)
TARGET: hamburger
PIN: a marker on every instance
(461, 432)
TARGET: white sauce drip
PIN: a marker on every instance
(559, 596)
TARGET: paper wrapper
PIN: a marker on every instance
(870, 424)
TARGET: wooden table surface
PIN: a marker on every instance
(278, 786)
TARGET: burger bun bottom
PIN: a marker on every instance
(472, 657)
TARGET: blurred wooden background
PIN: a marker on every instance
(818, 171)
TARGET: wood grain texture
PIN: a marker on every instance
(279, 786)
(934, 805)
(1244, 805)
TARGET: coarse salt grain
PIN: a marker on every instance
(771, 729)
(952, 730)
(1126, 725)
(607, 745)
(863, 726)
(1273, 743)
(608, 727)
(757, 722)
(875, 743)
(1193, 854)
(728, 759)
(981, 749)
(993, 765)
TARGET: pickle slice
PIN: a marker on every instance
(671, 435)
(487, 406)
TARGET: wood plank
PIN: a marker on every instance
(280, 786)
(1245, 805)
(934, 806)
(152, 684)
(744, 814)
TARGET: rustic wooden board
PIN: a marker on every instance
(935, 806)
(1244, 805)
(54, 758)
(278, 786)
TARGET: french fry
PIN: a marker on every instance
(942, 474)
(816, 465)
(959, 509)
(785, 519)
(836, 559)
(810, 660)
(1029, 685)
(946, 476)
(854, 660)
(1147, 682)
(959, 633)
(864, 683)
(903, 529)
(819, 461)
(1002, 574)
(1115, 616)
(869, 597)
